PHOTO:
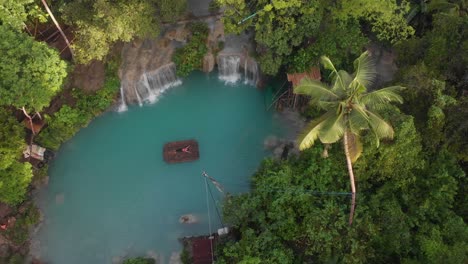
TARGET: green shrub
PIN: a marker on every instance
(190, 57)
(198, 28)
(69, 119)
(340, 42)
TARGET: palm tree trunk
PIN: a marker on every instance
(351, 177)
(57, 25)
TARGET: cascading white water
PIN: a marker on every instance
(228, 68)
(250, 72)
(140, 103)
(152, 84)
(151, 95)
(123, 105)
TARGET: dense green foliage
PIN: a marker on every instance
(11, 139)
(31, 72)
(295, 212)
(14, 176)
(296, 33)
(385, 17)
(171, 10)
(341, 42)
(14, 181)
(15, 13)
(434, 66)
(101, 23)
(190, 57)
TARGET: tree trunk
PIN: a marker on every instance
(351, 177)
(30, 120)
(57, 25)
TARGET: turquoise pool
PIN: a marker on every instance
(110, 195)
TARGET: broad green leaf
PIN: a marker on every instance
(358, 119)
(311, 131)
(380, 128)
(328, 64)
(315, 89)
(341, 83)
(365, 71)
(379, 98)
(332, 128)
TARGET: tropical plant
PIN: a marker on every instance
(350, 109)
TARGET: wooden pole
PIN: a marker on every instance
(57, 25)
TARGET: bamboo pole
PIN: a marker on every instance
(58, 26)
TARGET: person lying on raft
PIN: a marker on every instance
(185, 149)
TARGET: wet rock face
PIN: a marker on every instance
(179, 34)
(208, 63)
(139, 57)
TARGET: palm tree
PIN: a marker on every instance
(349, 110)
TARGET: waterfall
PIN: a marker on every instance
(140, 103)
(152, 84)
(228, 68)
(123, 105)
(250, 72)
(151, 95)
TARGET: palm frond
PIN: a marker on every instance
(332, 128)
(314, 89)
(341, 83)
(354, 146)
(358, 119)
(311, 132)
(380, 128)
(379, 98)
(365, 71)
(325, 105)
(328, 64)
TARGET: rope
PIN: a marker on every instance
(209, 220)
(247, 18)
(216, 207)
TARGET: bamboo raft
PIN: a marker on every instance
(172, 151)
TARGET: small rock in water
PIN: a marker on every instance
(116, 260)
(278, 151)
(152, 254)
(60, 198)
